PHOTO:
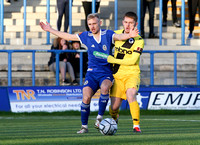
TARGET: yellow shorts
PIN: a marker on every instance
(121, 85)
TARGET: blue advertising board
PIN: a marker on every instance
(47, 99)
(167, 98)
(56, 98)
(173, 98)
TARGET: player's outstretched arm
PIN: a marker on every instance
(111, 59)
(133, 33)
(130, 61)
(64, 35)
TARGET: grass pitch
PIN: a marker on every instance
(61, 128)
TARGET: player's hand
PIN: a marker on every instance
(45, 27)
(110, 59)
(100, 55)
(133, 32)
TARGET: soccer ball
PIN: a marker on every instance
(108, 126)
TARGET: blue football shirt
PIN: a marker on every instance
(104, 45)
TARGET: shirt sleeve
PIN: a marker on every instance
(111, 34)
(82, 37)
(113, 41)
(130, 61)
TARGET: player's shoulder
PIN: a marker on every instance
(85, 33)
(139, 43)
(106, 31)
(119, 31)
(139, 38)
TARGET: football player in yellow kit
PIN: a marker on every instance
(126, 71)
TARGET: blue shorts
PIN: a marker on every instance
(94, 80)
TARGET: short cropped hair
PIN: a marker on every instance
(93, 15)
(131, 15)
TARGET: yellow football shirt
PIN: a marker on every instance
(127, 56)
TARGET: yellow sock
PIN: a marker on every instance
(135, 112)
(113, 114)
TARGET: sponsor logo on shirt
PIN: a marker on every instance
(123, 51)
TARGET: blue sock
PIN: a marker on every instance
(103, 101)
(85, 112)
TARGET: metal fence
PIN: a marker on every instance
(151, 52)
(10, 52)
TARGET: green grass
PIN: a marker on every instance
(60, 129)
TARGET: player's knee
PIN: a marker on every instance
(131, 99)
(131, 94)
(104, 89)
(86, 99)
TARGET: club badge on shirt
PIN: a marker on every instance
(104, 47)
(131, 41)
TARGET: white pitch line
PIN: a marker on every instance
(76, 117)
(167, 120)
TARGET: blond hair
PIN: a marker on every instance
(93, 15)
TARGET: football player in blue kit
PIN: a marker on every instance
(99, 73)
